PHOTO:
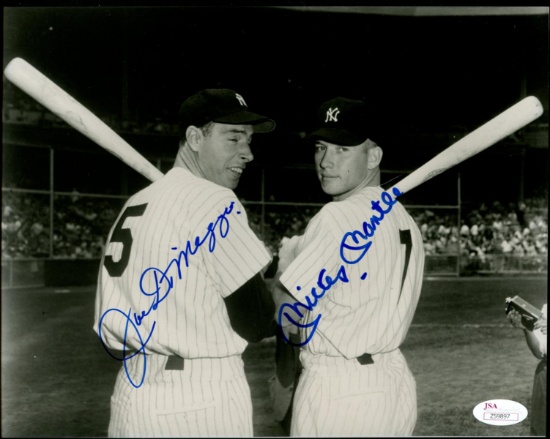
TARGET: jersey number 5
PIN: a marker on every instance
(124, 236)
(405, 237)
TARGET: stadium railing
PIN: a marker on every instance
(33, 272)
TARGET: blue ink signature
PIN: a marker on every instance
(356, 241)
(163, 284)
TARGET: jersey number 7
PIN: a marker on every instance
(405, 237)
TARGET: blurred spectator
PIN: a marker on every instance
(505, 245)
(520, 213)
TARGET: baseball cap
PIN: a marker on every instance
(343, 121)
(221, 105)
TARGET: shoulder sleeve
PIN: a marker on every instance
(317, 253)
(232, 253)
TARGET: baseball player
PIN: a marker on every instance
(181, 290)
(536, 341)
(350, 286)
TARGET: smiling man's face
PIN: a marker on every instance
(224, 153)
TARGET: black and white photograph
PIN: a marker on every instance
(297, 220)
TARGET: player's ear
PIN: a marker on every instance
(194, 137)
(375, 156)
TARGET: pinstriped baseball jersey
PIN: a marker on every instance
(178, 248)
(367, 308)
(189, 239)
(372, 312)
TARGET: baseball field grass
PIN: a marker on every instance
(57, 379)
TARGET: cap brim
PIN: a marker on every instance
(260, 124)
(336, 136)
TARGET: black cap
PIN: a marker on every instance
(343, 121)
(221, 106)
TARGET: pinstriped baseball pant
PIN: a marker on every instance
(340, 397)
(210, 397)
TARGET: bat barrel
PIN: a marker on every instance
(59, 102)
(501, 126)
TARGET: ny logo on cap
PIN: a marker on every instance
(241, 99)
(332, 115)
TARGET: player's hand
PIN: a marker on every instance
(540, 324)
(289, 319)
(282, 297)
(290, 329)
(287, 251)
(515, 319)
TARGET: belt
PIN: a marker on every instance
(365, 359)
(174, 363)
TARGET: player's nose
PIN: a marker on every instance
(327, 160)
(245, 153)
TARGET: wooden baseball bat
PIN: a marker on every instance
(59, 102)
(501, 126)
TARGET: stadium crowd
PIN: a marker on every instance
(487, 235)
(80, 223)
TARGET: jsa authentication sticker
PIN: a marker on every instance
(500, 412)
